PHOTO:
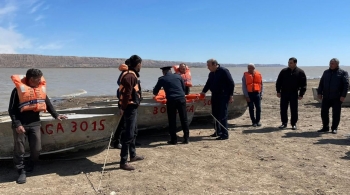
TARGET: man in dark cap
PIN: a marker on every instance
(129, 100)
(174, 88)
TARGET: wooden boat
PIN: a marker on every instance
(235, 109)
(346, 102)
(150, 115)
(80, 134)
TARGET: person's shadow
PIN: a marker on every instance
(347, 156)
(261, 130)
(60, 167)
(343, 142)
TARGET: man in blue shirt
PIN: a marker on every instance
(174, 88)
(221, 85)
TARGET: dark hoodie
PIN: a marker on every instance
(334, 84)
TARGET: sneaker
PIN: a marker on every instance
(324, 129)
(22, 177)
(214, 135)
(127, 167)
(221, 138)
(294, 127)
(334, 131)
(137, 158)
(283, 126)
(185, 141)
(259, 124)
(254, 124)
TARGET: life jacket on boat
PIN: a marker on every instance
(185, 77)
(136, 95)
(30, 98)
(253, 81)
(161, 97)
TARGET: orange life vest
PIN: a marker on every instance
(30, 98)
(253, 81)
(161, 97)
(186, 77)
(135, 96)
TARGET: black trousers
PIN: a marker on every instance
(128, 137)
(34, 139)
(287, 98)
(336, 111)
(219, 105)
(174, 106)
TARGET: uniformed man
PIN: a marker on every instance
(174, 88)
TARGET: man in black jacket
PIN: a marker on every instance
(174, 88)
(221, 85)
(332, 91)
(27, 124)
(290, 81)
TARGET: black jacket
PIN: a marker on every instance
(291, 81)
(26, 118)
(220, 82)
(173, 86)
(334, 84)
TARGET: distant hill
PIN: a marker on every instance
(41, 61)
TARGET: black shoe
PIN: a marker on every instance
(259, 124)
(283, 126)
(22, 177)
(334, 131)
(221, 138)
(185, 141)
(214, 135)
(294, 127)
(254, 124)
(323, 130)
(137, 144)
(171, 142)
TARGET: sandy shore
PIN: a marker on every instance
(262, 160)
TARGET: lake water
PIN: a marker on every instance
(68, 82)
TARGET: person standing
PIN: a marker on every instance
(185, 74)
(27, 100)
(221, 85)
(129, 99)
(332, 90)
(174, 88)
(252, 87)
(290, 81)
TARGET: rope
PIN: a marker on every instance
(219, 123)
(109, 145)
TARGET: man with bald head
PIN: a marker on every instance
(252, 87)
(332, 90)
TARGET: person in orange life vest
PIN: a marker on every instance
(24, 112)
(182, 73)
(253, 90)
(129, 99)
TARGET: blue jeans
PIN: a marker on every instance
(255, 100)
(219, 104)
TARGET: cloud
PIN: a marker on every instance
(6, 10)
(39, 18)
(51, 46)
(36, 7)
(11, 41)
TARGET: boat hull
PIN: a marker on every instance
(150, 115)
(235, 109)
(80, 132)
(346, 102)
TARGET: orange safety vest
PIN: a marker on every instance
(253, 81)
(30, 98)
(186, 77)
(136, 91)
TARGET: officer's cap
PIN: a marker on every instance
(166, 67)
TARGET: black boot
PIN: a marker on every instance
(22, 176)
